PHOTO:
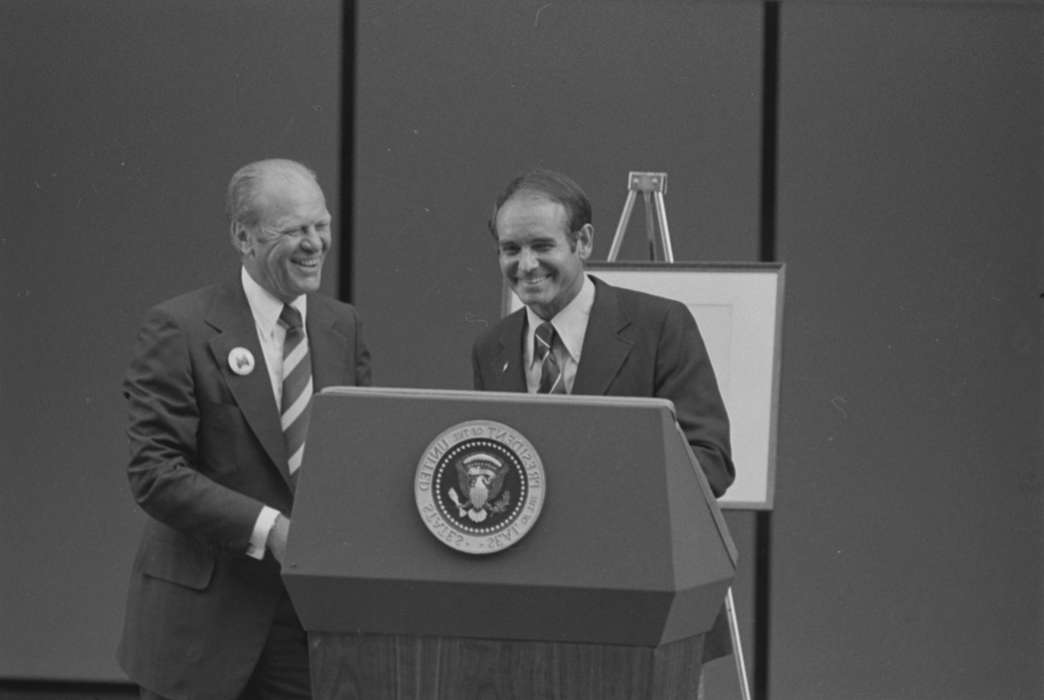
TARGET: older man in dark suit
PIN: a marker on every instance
(579, 335)
(218, 392)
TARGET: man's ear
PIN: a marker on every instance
(240, 237)
(585, 241)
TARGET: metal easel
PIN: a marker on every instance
(653, 187)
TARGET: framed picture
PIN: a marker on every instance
(739, 310)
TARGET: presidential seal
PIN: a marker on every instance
(479, 486)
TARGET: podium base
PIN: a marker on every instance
(373, 667)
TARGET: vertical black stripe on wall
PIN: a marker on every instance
(767, 253)
(769, 110)
(345, 291)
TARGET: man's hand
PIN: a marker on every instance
(276, 542)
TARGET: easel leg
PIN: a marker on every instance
(737, 646)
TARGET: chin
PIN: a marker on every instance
(529, 292)
(529, 298)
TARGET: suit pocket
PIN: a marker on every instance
(170, 556)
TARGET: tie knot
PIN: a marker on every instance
(290, 317)
(545, 337)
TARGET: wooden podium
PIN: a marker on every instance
(608, 594)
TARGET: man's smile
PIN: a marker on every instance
(533, 281)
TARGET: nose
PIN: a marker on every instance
(311, 238)
(527, 260)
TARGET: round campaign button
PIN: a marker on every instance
(241, 361)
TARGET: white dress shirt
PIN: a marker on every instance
(570, 326)
(266, 309)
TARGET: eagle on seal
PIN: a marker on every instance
(480, 477)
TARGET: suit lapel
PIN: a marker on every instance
(606, 345)
(507, 372)
(231, 317)
(326, 346)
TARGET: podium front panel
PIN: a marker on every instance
(629, 547)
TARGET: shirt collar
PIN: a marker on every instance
(570, 323)
(264, 305)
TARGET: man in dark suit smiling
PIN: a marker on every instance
(579, 335)
(218, 392)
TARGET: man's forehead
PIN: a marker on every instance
(527, 210)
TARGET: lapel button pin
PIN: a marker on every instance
(241, 361)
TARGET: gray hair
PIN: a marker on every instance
(240, 199)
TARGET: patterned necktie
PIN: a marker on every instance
(297, 386)
(551, 381)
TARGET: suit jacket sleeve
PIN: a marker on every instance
(165, 418)
(684, 375)
(363, 372)
(476, 368)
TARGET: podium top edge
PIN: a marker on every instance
(687, 265)
(498, 397)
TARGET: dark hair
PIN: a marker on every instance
(554, 186)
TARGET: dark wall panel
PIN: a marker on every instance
(454, 98)
(122, 122)
(907, 538)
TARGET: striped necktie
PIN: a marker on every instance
(297, 386)
(551, 379)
